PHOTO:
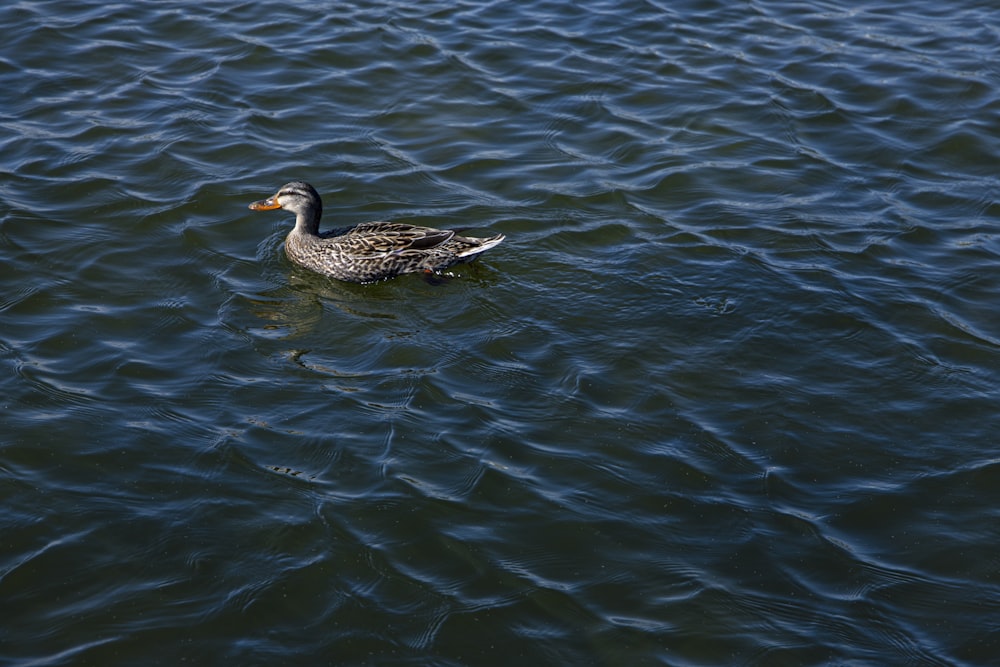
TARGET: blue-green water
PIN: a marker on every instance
(726, 395)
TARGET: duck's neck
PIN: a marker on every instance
(307, 221)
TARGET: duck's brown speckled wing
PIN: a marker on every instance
(382, 238)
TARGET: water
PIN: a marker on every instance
(726, 395)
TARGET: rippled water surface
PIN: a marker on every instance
(726, 395)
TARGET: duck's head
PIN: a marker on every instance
(298, 197)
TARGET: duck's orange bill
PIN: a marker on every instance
(265, 204)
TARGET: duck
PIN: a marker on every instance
(371, 251)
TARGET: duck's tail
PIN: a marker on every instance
(478, 245)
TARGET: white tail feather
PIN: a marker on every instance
(487, 244)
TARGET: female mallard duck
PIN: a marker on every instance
(372, 250)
